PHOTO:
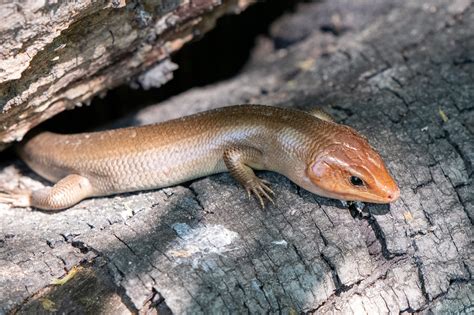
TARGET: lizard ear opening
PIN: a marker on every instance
(319, 171)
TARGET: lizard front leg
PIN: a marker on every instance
(64, 194)
(239, 161)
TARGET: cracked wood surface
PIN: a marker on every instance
(401, 73)
(55, 56)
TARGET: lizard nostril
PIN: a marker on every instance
(394, 194)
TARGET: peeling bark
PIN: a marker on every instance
(56, 56)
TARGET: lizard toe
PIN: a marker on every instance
(260, 190)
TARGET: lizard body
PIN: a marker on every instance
(317, 154)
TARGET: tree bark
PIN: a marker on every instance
(401, 73)
(55, 56)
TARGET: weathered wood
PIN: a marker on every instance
(401, 72)
(55, 56)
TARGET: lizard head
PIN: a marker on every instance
(350, 169)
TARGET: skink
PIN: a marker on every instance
(319, 155)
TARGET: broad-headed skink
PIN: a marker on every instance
(319, 155)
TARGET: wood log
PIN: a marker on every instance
(56, 56)
(401, 73)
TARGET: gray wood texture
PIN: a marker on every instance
(57, 55)
(401, 72)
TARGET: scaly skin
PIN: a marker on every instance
(315, 153)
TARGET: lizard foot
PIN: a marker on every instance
(17, 198)
(259, 188)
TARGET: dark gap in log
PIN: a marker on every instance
(219, 54)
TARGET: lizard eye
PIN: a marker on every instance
(356, 181)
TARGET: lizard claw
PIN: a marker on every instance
(15, 199)
(259, 188)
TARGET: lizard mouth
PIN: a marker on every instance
(380, 194)
(380, 197)
(384, 196)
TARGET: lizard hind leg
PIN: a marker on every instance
(16, 198)
(64, 194)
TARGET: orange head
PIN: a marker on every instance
(349, 169)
